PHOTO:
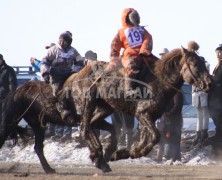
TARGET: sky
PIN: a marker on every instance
(27, 26)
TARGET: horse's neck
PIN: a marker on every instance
(170, 79)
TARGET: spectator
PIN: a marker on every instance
(160, 123)
(8, 83)
(124, 125)
(36, 64)
(90, 56)
(216, 76)
(172, 128)
(163, 52)
(200, 102)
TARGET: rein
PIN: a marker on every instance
(28, 107)
(164, 82)
(188, 66)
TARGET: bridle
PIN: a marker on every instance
(185, 62)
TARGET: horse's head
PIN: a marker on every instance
(194, 70)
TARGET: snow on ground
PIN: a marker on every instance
(68, 154)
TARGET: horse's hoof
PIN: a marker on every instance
(107, 157)
(50, 171)
(105, 168)
(134, 154)
(102, 165)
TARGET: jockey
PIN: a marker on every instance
(59, 63)
(137, 44)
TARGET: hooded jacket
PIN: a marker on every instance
(134, 40)
(8, 80)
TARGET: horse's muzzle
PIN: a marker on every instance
(204, 85)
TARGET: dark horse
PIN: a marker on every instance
(157, 83)
(92, 102)
(35, 103)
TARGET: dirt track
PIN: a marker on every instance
(83, 172)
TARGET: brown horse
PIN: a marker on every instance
(157, 83)
(91, 104)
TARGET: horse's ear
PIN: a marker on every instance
(184, 51)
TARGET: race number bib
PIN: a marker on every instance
(134, 36)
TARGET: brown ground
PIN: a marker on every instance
(82, 172)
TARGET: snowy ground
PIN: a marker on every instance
(68, 154)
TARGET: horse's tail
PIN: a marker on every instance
(9, 108)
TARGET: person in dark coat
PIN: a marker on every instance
(216, 76)
(8, 82)
(172, 129)
(124, 125)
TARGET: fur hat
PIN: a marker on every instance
(67, 36)
(219, 48)
(193, 46)
(134, 18)
(1, 57)
(163, 51)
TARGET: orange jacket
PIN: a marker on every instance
(126, 38)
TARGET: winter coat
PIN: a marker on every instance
(218, 74)
(173, 120)
(36, 65)
(57, 57)
(8, 80)
(199, 98)
(134, 40)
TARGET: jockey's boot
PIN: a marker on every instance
(62, 109)
(197, 138)
(204, 136)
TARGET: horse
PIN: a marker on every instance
(91, 99)
(157, 82)
(34, 102)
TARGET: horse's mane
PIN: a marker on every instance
(160, 68)
(167, 64)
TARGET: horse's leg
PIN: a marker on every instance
(93, 143)
(39, 138)
(112, 145)
(148, 138)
